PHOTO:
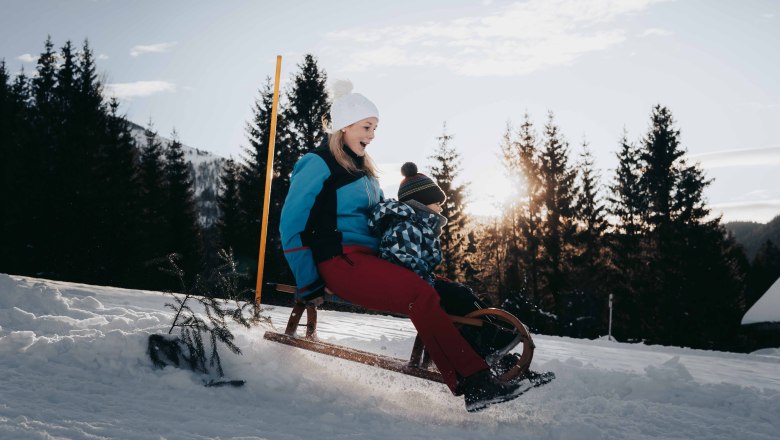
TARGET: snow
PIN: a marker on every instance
(767, 308)
(74, 366)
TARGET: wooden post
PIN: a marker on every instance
(610, 317)
(268, 177)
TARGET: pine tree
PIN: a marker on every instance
(491, 258)
(251, 181)
(558, 192)
(44, 83)
(184, 233)
(252, 176)
(119, 209)
(154, 225)
(517, 150)
(698, 273)
(591, 215)
(7, 113)
(5, 89)
(43, 154)
(78, 141)
(308, 105)
(470, 265)
(661, 149)
(89, 86)
(10, 152)
(510, 279)
(65, 89)
(589, 262)
(228, 200)
(107, 181)
(530, 218)
(454, 239)
(627, 199)
(71, 203)
(628, 254)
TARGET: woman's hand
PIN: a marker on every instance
(316, 302)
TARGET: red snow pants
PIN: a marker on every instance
(362, 278)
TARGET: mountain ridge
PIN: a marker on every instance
(751, 235)
(204, 168)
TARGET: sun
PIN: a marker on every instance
(489, 189)
(489, 192)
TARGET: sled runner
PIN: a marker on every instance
(490, 321)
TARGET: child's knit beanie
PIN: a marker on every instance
(419, 187)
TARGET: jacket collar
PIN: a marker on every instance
(418, 207)
(355, 158)
(358, 160)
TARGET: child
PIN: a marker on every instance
(409, 229)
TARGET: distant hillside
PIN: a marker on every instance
(204, 167)
(752, 235)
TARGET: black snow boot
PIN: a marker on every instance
(506, 363)
(482, 389)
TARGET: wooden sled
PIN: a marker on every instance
(419, 363)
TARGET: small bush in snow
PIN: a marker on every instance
(199, 334)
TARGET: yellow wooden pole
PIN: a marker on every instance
(268, 176)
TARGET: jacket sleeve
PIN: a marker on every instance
(306, 182)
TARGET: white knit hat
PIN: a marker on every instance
(348, 107)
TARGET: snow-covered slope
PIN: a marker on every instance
(74, 365)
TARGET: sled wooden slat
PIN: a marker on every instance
(419, 361)
(286, 288)
(351, 354)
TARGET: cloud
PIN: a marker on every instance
(517, 39)
(151, 48)
(102, 56)
(747, 157)
(754, 105)
(656, 32)
(139, 88)
(761, 211)
(27, 58)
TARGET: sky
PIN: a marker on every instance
(477, 65)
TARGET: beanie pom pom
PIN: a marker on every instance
(409, 169)
(341, 87)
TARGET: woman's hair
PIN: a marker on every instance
(336, 146)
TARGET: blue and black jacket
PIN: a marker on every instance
(326, 207)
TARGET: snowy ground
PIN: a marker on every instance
(73, 362)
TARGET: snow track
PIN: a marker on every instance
(74, 366)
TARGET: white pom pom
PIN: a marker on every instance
(341, 87)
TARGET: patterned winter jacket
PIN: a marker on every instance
(409, 235)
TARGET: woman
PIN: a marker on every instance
(327, 242)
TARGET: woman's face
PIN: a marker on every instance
(358, 135)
